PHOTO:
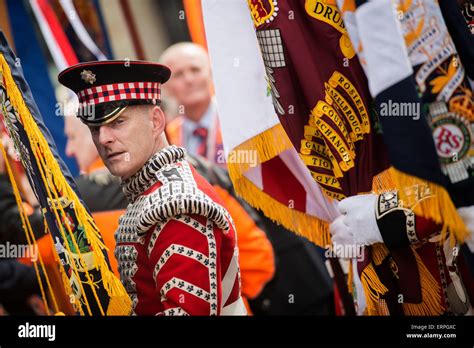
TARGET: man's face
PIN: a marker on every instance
(79, 143)
(190, 82)
(126, 143)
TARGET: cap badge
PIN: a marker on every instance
(88, 76)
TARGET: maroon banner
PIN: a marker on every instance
(320, 92)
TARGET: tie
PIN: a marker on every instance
(201, 134)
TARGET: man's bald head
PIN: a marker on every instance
(190, 82)
(177, 51)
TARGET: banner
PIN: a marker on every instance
(397, 45)
(263, 164)
(91, 285)
(29, 45)
(320, 93)
(412, 90)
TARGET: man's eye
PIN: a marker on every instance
(116, 123)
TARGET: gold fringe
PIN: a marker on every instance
(379, 253)
(437, 207)
(430, 293)
(310, 227)
(67, 289)
(50, 171)
(373, 289)
(382, 308)
(383, 182)
(268, 145)
(50, 193)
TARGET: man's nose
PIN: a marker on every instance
(188, 77)
(105, 135)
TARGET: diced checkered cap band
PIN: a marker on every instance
(120, 91)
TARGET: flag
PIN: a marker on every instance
(28, 44)
(461, 30)
(422, 83)
(80, 21)
(320, 94)
(407, 55)
(461, 101)
(88, 280)
(56, 40)
(263, 164)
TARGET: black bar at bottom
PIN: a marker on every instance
(257, 330)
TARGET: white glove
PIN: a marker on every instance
(343, 243)
(357, 225)
(467, 214)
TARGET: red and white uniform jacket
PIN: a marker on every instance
(176, 244)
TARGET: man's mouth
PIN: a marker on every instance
(114, 155)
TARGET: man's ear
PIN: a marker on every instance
(158, 119)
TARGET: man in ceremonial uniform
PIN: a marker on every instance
(104, 197)
(176, 244)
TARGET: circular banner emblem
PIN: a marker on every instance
(452, 138)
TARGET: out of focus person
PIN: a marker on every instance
(196, 127)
